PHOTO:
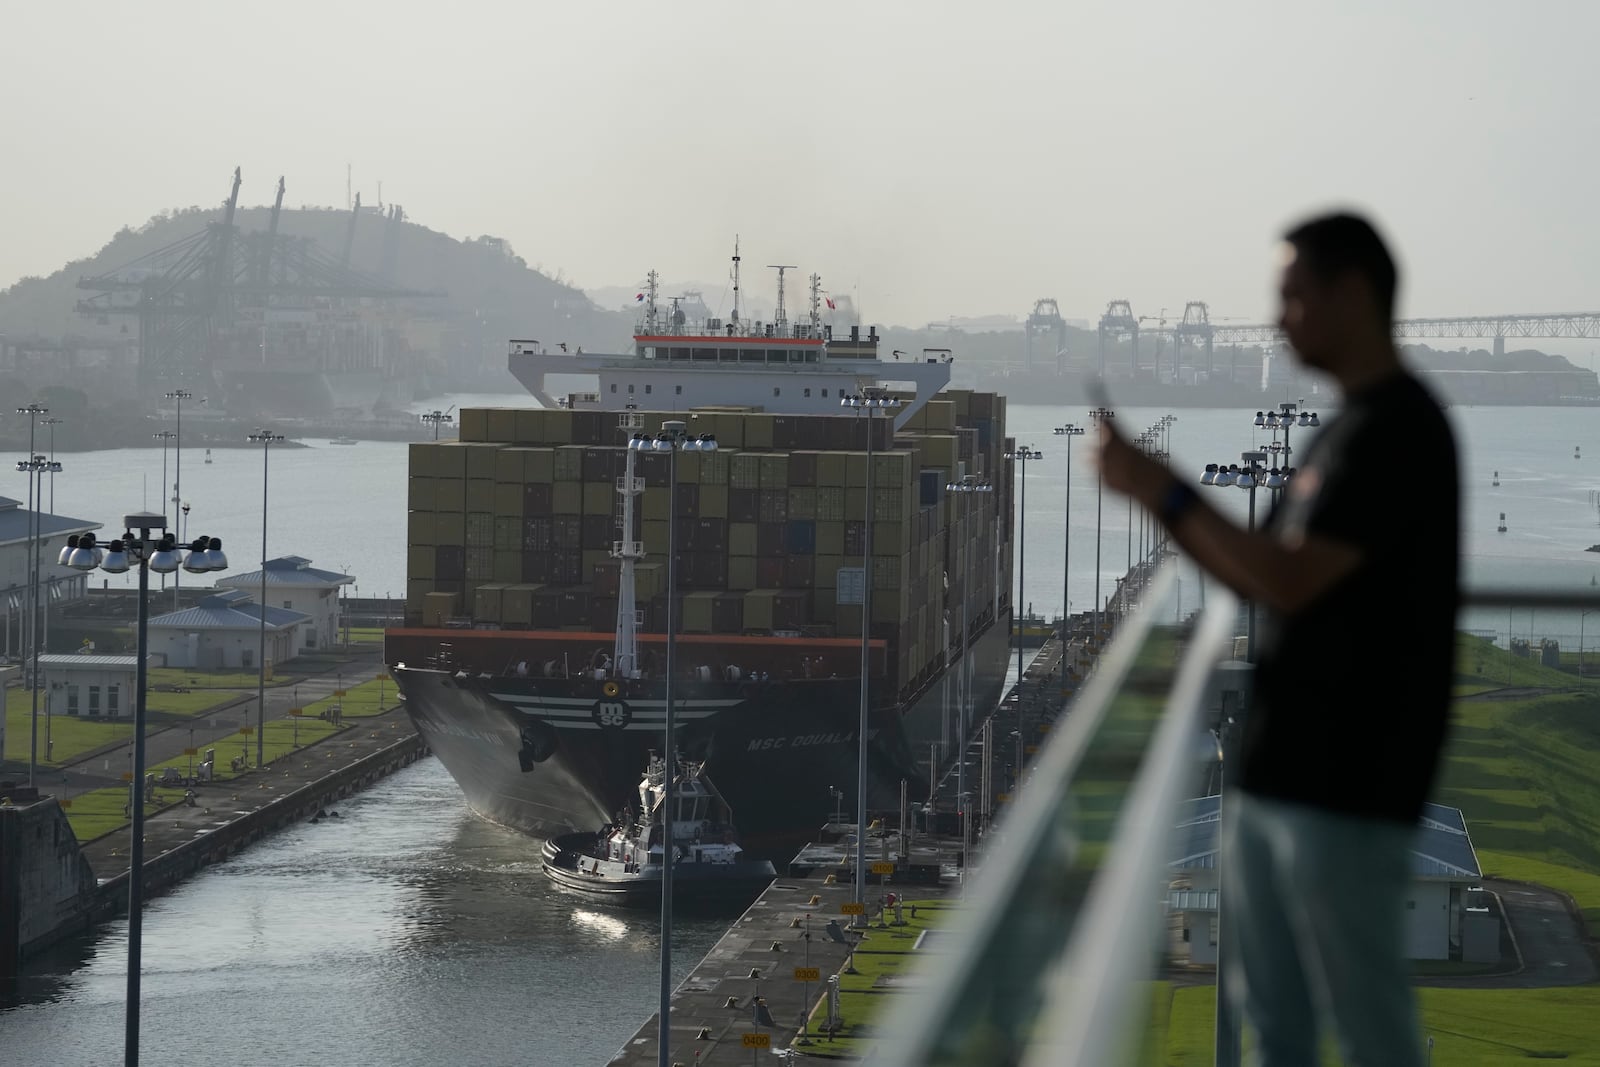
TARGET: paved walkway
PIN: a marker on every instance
(218, 728)
(1551, 938)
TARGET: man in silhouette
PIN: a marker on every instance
(1337, 754)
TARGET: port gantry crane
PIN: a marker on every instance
(1045, 321)
(194, 297)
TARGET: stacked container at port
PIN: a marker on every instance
(511, 526)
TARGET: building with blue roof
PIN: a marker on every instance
(57, 584)
(224, 631)
(294, 584)
(1442, 920)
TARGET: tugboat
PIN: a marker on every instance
(622, 862)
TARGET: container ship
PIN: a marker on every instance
(533, 656)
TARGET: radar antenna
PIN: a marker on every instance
(735, 318)
(652, 286)
(780, 318)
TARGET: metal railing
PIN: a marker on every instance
(1049, 959)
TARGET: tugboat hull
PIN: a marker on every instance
(696, 886)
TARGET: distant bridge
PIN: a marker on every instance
(1197, 328)
(1499, 327)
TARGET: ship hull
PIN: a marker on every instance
(554, 756)
(697, 886)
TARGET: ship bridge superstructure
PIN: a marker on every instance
(803, 366)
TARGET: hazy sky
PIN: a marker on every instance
(948, 159)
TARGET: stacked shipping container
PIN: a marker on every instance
(511, 526)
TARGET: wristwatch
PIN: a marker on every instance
(1175, 503)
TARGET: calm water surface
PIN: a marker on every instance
(405, 932)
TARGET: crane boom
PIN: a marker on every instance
(350, 232)
(264, 262)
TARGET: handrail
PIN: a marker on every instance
(1490, 597)
(1094, 990)
(1029, 831)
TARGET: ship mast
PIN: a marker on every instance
(780, 318)
(652, 285)
(627, 552)
(816, 305)
(735, 318)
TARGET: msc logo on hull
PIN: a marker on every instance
(612, 713)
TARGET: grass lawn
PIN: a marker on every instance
(359, 701)
(72, 735)
(1526, 773)
(1469, 1027)
(187, 705)
(198, 679)
(886, 952)
(98, 813)
(101, 812)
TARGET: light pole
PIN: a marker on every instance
(967, 486)
(44, 613)
(1097, 416)
(1246, 477)
(52, 422)
(1285, 418)
(1069, 431)
(151, 548)
(30, 634)
(34, 467)
(178, 396)
(437, 417)
(673, 438)
(1021, 456)
(1581, 617)
(266, 439)
(870, 400)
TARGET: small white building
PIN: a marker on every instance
(224, 631)
(90, 686)
(1443, 919)
(56, 583)
(294, 584)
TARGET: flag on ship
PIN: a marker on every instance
(637, 297)
(831, 305)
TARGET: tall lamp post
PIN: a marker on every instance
(1069, 431)
(178, 396)
(437, 418)
(30, 636)
(35, 467)
(1248, 476)
(966, 486)
(52, 422)
(1097, 416)
(1021, 456)
(673, 438)
(869, 401)
(148, 546)
(266, 439)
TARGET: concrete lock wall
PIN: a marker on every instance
(45, 881)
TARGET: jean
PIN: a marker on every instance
(1315, 912)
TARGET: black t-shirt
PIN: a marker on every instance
(1352, 692)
